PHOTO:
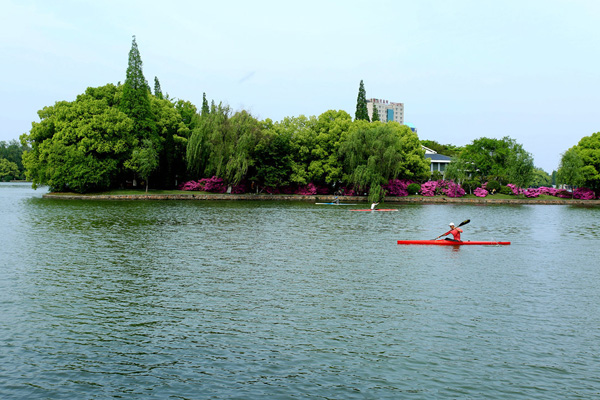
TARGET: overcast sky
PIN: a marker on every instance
(463, 69)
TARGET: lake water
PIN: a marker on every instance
(248, 300)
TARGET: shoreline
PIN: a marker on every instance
(320, 198)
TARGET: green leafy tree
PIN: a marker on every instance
(520, 166)
(302, 133)
(144, 160)
(189, 113)
(489, 157)
(375, 116)
(374, 153)
(362, 112)
(541, 178)
(325, 168)
(157, 90)
(588, 149)
(8, 170)
(80, 146)
(571, 168)
(273, 154)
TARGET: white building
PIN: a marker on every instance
(439, 162)
(388, 110)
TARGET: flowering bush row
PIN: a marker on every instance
(395, 187)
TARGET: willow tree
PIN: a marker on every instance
(223, 144)
(374, 153)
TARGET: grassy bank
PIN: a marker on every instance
(131, 194)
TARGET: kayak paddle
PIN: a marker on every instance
(466, 221)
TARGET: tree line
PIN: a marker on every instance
(115, 135)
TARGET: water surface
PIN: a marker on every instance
(239, 300)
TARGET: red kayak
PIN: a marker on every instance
(452, 242)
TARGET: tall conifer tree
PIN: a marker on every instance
(205, 109)
(361, 104)
(157, 90)
(136, 95)
(375, 116)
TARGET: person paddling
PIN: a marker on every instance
(373, 205)
(454, 231)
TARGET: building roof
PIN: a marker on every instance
(438, 157)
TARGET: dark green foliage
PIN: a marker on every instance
(12, 154)
(173, 123)
(274, 159)
(470, 185)
(362, 112)
(493, 186)
(413, 188)
(506, 190)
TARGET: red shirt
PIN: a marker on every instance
(455, 232)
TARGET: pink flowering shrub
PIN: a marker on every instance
(397, 187)
(428, 188)
(307, 190)
(548, 191)
(191, 185)
(480, 192)
(447, 188)
(532, 192)
(584, 194)
(452, 189)
(214, 185)
(348, 192)
(516, 191)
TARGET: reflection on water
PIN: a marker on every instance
(292, 300)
